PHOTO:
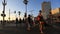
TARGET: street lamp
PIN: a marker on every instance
(9, 15)
(3, 12)
(25, 2)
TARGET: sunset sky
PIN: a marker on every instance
(18, 5)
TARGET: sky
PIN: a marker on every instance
(18, 5)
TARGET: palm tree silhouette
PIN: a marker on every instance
(19, 14)
(15, 13)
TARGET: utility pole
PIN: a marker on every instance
(25, 2)
(3, 12)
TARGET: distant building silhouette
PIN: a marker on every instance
(46, 9)
(55, 11)
(56, 14)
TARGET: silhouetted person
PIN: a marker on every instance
(16, 22)
(1, 21)
(20, 20)
(29, 22)
(41, 21)
(23, 20)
